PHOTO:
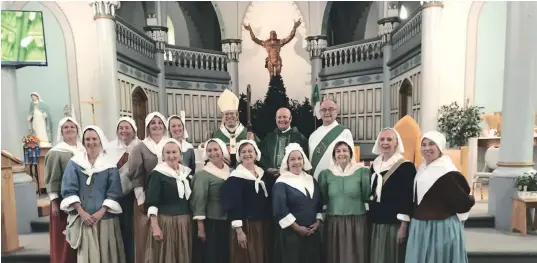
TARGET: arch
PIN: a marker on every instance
(405, 98)
(139, 109)
(219, 17)
(471, 51)
(345, 22)
(201, 17)
(70, 50)
(243, 16)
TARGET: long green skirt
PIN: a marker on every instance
(438, 241)
(384, 246)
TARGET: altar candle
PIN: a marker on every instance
(37, 151)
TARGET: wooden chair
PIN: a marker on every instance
(492, 156)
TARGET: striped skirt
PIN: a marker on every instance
(346, 239)
(384, 246)
(438, 241)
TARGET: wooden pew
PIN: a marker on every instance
(10, 236)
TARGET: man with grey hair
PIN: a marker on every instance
(273, 145)
(322, 141)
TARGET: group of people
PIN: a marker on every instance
(283, 199)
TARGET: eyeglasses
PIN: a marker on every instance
(329, 109)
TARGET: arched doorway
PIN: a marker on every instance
(139, 110)
(405, 99)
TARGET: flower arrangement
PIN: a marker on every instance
(527, 185)
(30, 141)
(459, 123)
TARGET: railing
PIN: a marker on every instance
(134, 40)
(352, 53)
(186, 57)
(407, 30)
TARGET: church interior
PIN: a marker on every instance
(385, 64)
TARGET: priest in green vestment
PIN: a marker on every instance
(231, 132)
(273, 145)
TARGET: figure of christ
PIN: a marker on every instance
(273, 46)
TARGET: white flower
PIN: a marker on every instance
(26, 41)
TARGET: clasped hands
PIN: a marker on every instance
(306, 231)
(91, 219)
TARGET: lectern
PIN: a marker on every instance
(10, 237)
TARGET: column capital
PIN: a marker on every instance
(233, 48)
(316, 45)
(104, 9)
(159, 34)
(386, 27)
(427, 4)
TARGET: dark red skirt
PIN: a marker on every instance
(60, 250)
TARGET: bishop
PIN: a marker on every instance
(231, 131)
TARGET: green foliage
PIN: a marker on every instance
(264, 112)
(459, 123)
(528, 180)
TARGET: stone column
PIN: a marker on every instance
(158, 31)
(430, 64)
(12, 136)
(316, 46)
(386, 26)
(107, 112)
(233, 48)
(516, 145)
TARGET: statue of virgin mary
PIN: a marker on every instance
(40, 120)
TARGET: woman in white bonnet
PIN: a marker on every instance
(442, 201)
(390, 204)
(67, 144)
(212, 224)
(120, 148)
(297, 207)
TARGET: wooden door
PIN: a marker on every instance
(139, 110)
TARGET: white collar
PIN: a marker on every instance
(185, 145)
(242, 172)
(286, 130)
(380, 166)
(118, 148)
(427, 175)
(64, 147)
(180, 176)
(349, 169)
(236, 132)
(103, 162)
(220, 173)
(154, 147)
(301, 182)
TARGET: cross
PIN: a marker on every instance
(92, 102)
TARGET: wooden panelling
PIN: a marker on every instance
(359, 110)
(414, 78)
(202, 115)
(126, 86)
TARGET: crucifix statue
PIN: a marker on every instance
(92, 102)
(273, 45)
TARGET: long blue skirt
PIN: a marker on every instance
(436, 241)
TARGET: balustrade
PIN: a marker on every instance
(352, 53)
(186, 57)
(133, 39)
(407, 30)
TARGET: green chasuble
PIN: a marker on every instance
(232, 139)
(273, 146)
(345, 195)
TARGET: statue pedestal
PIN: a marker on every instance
(40, 180)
